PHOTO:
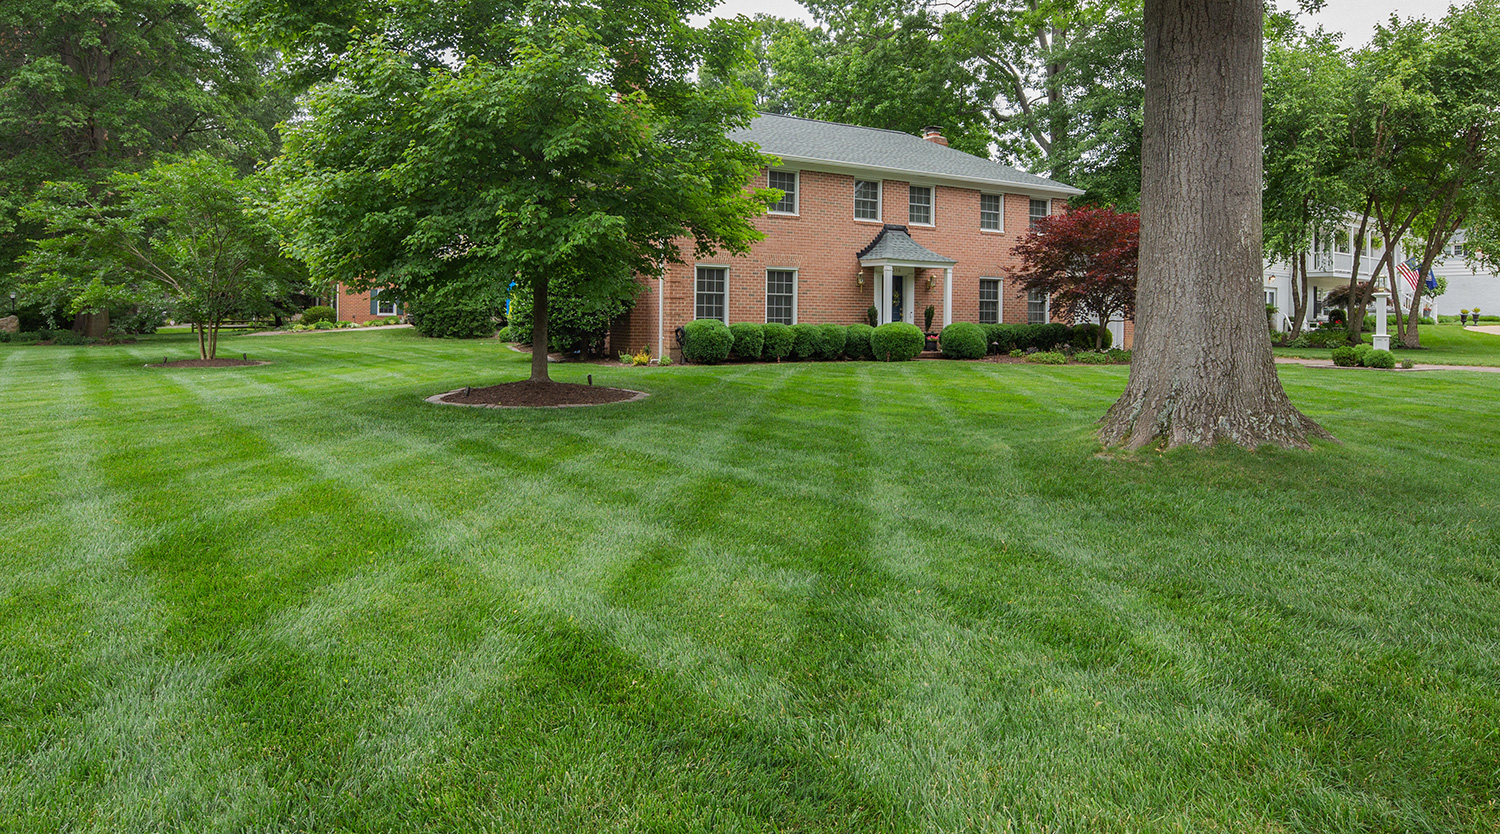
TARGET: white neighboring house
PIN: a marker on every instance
(1329, 264)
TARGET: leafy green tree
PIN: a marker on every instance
(1305, 135)
(561, 156)
(188, 230)
(94, 87)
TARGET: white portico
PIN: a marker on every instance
(895, 259)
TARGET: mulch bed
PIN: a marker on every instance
(207, 363)
(528, 394)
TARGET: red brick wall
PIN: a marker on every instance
(821, 243)
(354, 306)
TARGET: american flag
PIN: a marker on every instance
(1409, 272)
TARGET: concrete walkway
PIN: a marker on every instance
(1492, 329)
(1326, 363)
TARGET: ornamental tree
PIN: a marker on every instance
(187, 230)
(1085, 260)
(557, 158)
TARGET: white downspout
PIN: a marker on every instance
(661, 307)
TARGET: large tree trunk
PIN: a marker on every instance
(539, 330)
(1301, 292)
(1202, 370)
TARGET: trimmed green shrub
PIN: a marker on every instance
(1092, 358)
(1047, 357)
(576, 320)
(1118, 356)
(1363, 351)
(872, 315)
(857, 341)
(832, 338)
(1054, 335)
(896, 342)
(707, 342)
(313, 315)
(1380, 359)
(778, 342)
(451, 313)
(1000, 338)
(1345, 357)
(963, 340)
(805, 340)
(1083, 337)
(749, 338)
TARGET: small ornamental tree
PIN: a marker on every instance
(1085, 260)
(188, 230)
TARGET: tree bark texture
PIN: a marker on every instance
(1202, 369)
(539, 329)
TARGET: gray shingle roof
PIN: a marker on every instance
(804, 141)
(893, 243)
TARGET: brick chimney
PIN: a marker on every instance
(934, 133)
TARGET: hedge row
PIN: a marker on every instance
(1363, 356)
(709, 342)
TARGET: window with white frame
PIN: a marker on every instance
(1039, 209)
(866, 200)
(709, 293)
(781, 296)
(920, 201)
(383, 306)
(990, 216)
(1271, 298)
(1036, 307)
(989, 300)
(1317, 302)
(1454, 250)
(786, 182)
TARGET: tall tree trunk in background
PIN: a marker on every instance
(1301, 293)
(539, 330)
(1202, 370)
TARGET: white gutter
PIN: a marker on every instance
(1008, 186)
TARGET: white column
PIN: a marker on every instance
(947, 296)
(885, 294)
(1382, 338)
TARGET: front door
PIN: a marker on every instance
(898, 300)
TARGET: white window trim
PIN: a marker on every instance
(1030, 219)
(796, 195)
(724, 267)
(982, 229)
(931, 206)
(796, 277)
(999, 296)
(1046, 307)
(879, 201)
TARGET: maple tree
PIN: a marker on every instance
(1085, 260)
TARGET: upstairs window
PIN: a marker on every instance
(866, 200)
(1039, 209)
(989, 300)
(708, 300)
(920, 202)
(1036, 307)
(786, 181)
(989, 212)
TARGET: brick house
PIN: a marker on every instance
(870, 217)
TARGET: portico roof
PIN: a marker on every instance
(894, 247)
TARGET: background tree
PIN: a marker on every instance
(188, 230)
(1202, 370)
(93, 88)
(1085, 260)
(581, 162)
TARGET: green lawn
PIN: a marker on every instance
(815, 597)
(1442, 344)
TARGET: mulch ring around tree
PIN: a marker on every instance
(207, 363)
(528, 394)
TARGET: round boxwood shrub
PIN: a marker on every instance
(706, 342)
(749, 338)
(1346, 357)
(896, 342)
(1000, 338)
(322, 312)
(962, 340)
(1380, 359)
(857, 341)
(1050, 336)
(1363, 351)
(805, 339)
(831, 343)
(778, 342)
(1083, 337)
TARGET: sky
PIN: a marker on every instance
(1356, 19)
